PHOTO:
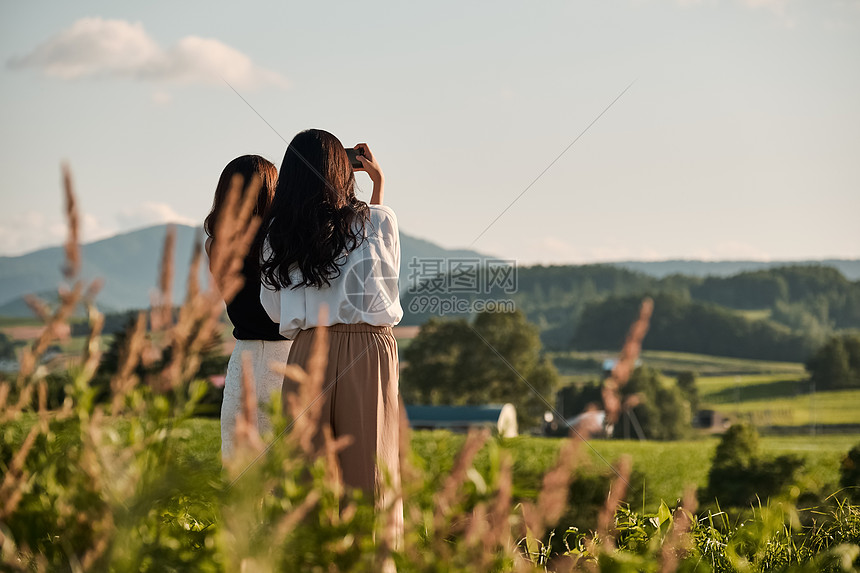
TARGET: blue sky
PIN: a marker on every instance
(740, 137)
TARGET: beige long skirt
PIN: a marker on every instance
(361, 400)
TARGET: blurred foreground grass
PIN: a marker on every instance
(667, 468)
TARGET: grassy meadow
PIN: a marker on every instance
(774, 399)
(584, 363)
(765, 393)
(666, 469)
(762, 392)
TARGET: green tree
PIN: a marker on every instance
(433, 363)
(687, 386)
(7, 347)
(738, 447)
(675, 416)
(494, 359)
(849, 473)
(739, 475)
(662, 412)
(689, 326)
(837, 363)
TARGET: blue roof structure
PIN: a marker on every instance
(502, 417)
(454, 414)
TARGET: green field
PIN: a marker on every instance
(179, 503)
(765, 393)
(577, 363)
(704, 365)
(667, 468)
(780, 400)
(16, 321)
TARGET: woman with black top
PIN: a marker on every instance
(254, 332)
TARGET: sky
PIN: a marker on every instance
(738, 135)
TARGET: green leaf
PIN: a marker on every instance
(664, 513)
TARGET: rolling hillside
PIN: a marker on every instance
(848, 267)
(778, 313)
(129, 264)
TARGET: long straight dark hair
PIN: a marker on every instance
(247, 166)
(316, 218)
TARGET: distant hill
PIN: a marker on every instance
(129, 264)
(848, 267)
(18, 307)
(552, 296)
(806, 301)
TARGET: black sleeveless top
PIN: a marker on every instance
(250, 321)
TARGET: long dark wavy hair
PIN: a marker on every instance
(247, 166)
(316, 218)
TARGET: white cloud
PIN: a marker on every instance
(150, 213)
(33, 230)
(95, 47)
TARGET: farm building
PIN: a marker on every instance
(711, 421)
(590, 422)
(501, 417)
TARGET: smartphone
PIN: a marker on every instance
(352, 153)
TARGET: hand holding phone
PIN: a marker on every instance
(368, 163)
(370, 166)
(352, 154)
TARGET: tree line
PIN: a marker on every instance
(690, 326)
(800, 305)
(498, 357)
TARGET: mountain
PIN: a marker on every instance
(129, 264)
(848, 267)
(18, 307)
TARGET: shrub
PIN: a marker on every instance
(837, 363)
(662, 412)
(7, 347)
(687, 385)
(740, 476)
(849, 473)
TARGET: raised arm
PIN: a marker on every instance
(372, 168)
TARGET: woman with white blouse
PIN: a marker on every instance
(328, 251)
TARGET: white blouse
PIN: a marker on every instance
(366, 290)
